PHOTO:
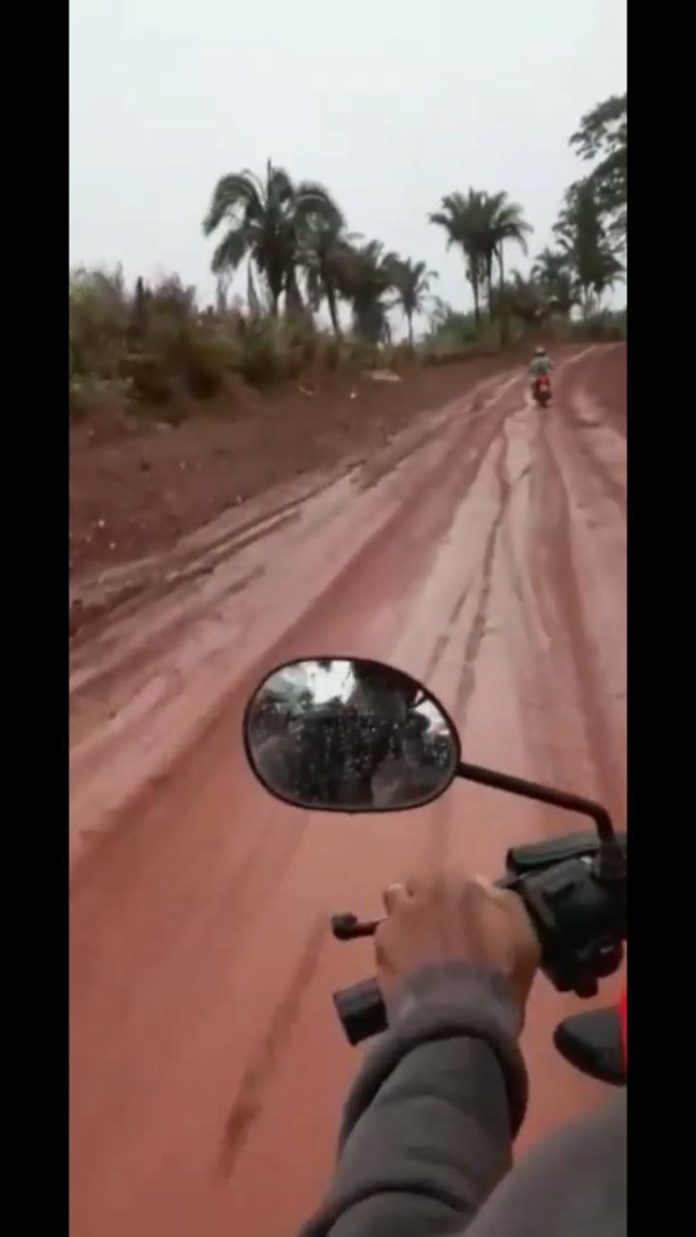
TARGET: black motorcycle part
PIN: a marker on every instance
(591, 1041)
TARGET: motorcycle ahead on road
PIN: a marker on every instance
(541, 390)
(354, 735)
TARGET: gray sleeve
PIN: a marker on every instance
(428, 1126)
(572, 1184)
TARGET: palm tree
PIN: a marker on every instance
(463, 219)
(481, 223)
(326, 257)
(412, 282)
(507, 223)
(369, 276)
(267, 221)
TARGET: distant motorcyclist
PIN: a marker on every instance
(541, 363)
(541, 366)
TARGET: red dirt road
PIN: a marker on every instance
(484, 551)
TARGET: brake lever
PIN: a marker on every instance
(347, 926)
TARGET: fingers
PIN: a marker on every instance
(448, 917)
(394, 897)
(399, 894)
(418, 888)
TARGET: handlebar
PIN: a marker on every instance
(361, 1011)
(580, 920)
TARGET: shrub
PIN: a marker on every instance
(151, 377)
(88, 394)
(153, 347)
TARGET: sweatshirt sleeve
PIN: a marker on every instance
(428, 1127)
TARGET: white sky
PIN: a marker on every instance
(390, 103)
(335, 681)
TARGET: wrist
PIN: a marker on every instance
(445, 1002)
(466, 987)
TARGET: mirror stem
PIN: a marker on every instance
(543, 794)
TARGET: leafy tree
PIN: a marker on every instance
(521, 298)
(553, 275)
(602, 136)
(586, 246)
(449, 327)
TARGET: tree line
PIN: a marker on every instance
(300, 254)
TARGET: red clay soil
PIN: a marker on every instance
(484, 553)
(136, 486)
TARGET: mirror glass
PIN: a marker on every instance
(349, 735)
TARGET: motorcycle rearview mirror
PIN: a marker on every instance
(346, 734)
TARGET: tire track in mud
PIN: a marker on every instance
(558, 579)
(263, 1066)
(252, 877)
(443, 640)
(538, 688)
(165, 956)
(607, 364)
(477, 631)
(471, 428)
(194, 559)
(576, 431)
(132, 597)
(542, 696)
(439, 830)
(102, 679)
(378, 559)
(612, 489)
(421, 515)
(475, 407)
(257, 875)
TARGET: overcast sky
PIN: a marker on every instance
(390, 103)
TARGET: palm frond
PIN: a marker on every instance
(235, 195)
(230, 251)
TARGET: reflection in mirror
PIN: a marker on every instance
(349, 735)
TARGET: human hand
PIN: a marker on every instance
(453, 918)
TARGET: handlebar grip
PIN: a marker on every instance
(361, 1010)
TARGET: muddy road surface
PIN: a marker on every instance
(484, 551)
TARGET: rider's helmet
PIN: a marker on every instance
(540, 351)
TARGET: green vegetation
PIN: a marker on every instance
(152, 346)
(269, 222)
(411, 281)
(481, 224)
